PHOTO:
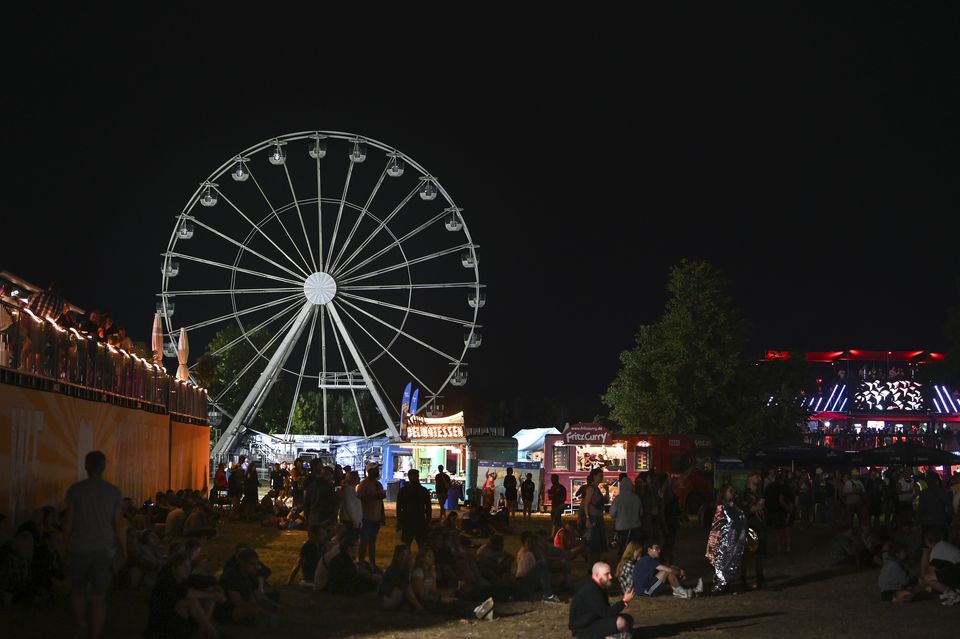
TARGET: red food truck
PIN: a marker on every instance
(688, 460)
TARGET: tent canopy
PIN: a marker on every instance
(531, 439)
(795, 452)
(904, 454)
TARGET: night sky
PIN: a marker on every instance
(813, 160)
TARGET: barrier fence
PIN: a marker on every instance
(39, 353)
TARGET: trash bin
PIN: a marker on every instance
(454, 497)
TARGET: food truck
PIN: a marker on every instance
(580, 448)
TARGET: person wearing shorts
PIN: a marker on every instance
(371, 494)
(93, 528)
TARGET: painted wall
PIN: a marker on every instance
(45, 436)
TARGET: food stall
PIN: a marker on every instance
(430, 442)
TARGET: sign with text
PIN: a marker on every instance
(587, 434)
(434, 432)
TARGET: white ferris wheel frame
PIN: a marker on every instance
(291, 277)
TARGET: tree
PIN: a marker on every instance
(771, 409)
(217, 372)
(684, 372)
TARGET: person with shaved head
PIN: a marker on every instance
(592, 616)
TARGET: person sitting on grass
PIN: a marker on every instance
(200, 523)
(894, 579)
(940, 567)
(245, 602)
(450, 522)
(632, 552)
(533, 574)
(346, 577)
(495, 563)
(310, 554)
(395, 588)
(423, 579)
(176, 608)
(650, 576)
(592, 616)
(569, 541)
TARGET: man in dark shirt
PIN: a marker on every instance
(413, 510)
(277, 478)
(527, 488)
(591, 615)
(320, 498)
(558, 502)
(510, 492)
(752, 504)
(245, 602)
(345, 577)
(441, 485)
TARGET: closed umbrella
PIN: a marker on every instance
(156, 340)
(183, 351)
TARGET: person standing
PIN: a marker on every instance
(853, 494)
(414, 510)
(752, 504)
(527, 488)
(591, 615)
(441, 485)
(625, 511)
(595, 498)
(351, 513)
(278, 480)
(558, 502)
(371, 494)
(726, 540)
(93, 529)
(510, 493)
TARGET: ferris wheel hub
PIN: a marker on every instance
(320, 288)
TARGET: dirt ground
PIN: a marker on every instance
(805, 598)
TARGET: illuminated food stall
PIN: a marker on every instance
(429, 442)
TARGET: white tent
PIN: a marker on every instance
(530, 440)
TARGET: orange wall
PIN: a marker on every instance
(44, 437)
(189, 455)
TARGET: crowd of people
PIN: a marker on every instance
(453, 565)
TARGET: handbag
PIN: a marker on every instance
(753, 539)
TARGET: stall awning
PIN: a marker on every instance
(530, 439)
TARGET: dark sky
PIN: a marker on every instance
(813, 159)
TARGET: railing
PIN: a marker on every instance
(38, 353)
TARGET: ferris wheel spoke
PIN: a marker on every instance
(380, 226)
(387, 351)
(336, 226)
(360, 214)
(247, 311)
(409, 309)
(243, 336)
(397, 329)
(296, 204)
(303, 366)
(241, 245)
(323, 364)
(230, 267)
(259, 230)
(256, 357)
(396, 242)
(231, 291)
(279, 220)
(319, 223)
(408, 263)
(396, 287)
(336, 337)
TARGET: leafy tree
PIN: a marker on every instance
(216, 372)
(342, 416)
(684, 374)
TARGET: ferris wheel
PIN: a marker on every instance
(337, 264)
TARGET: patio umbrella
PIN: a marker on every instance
(156, 340)
(904, 454)
(183, 350)
(795, 452)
